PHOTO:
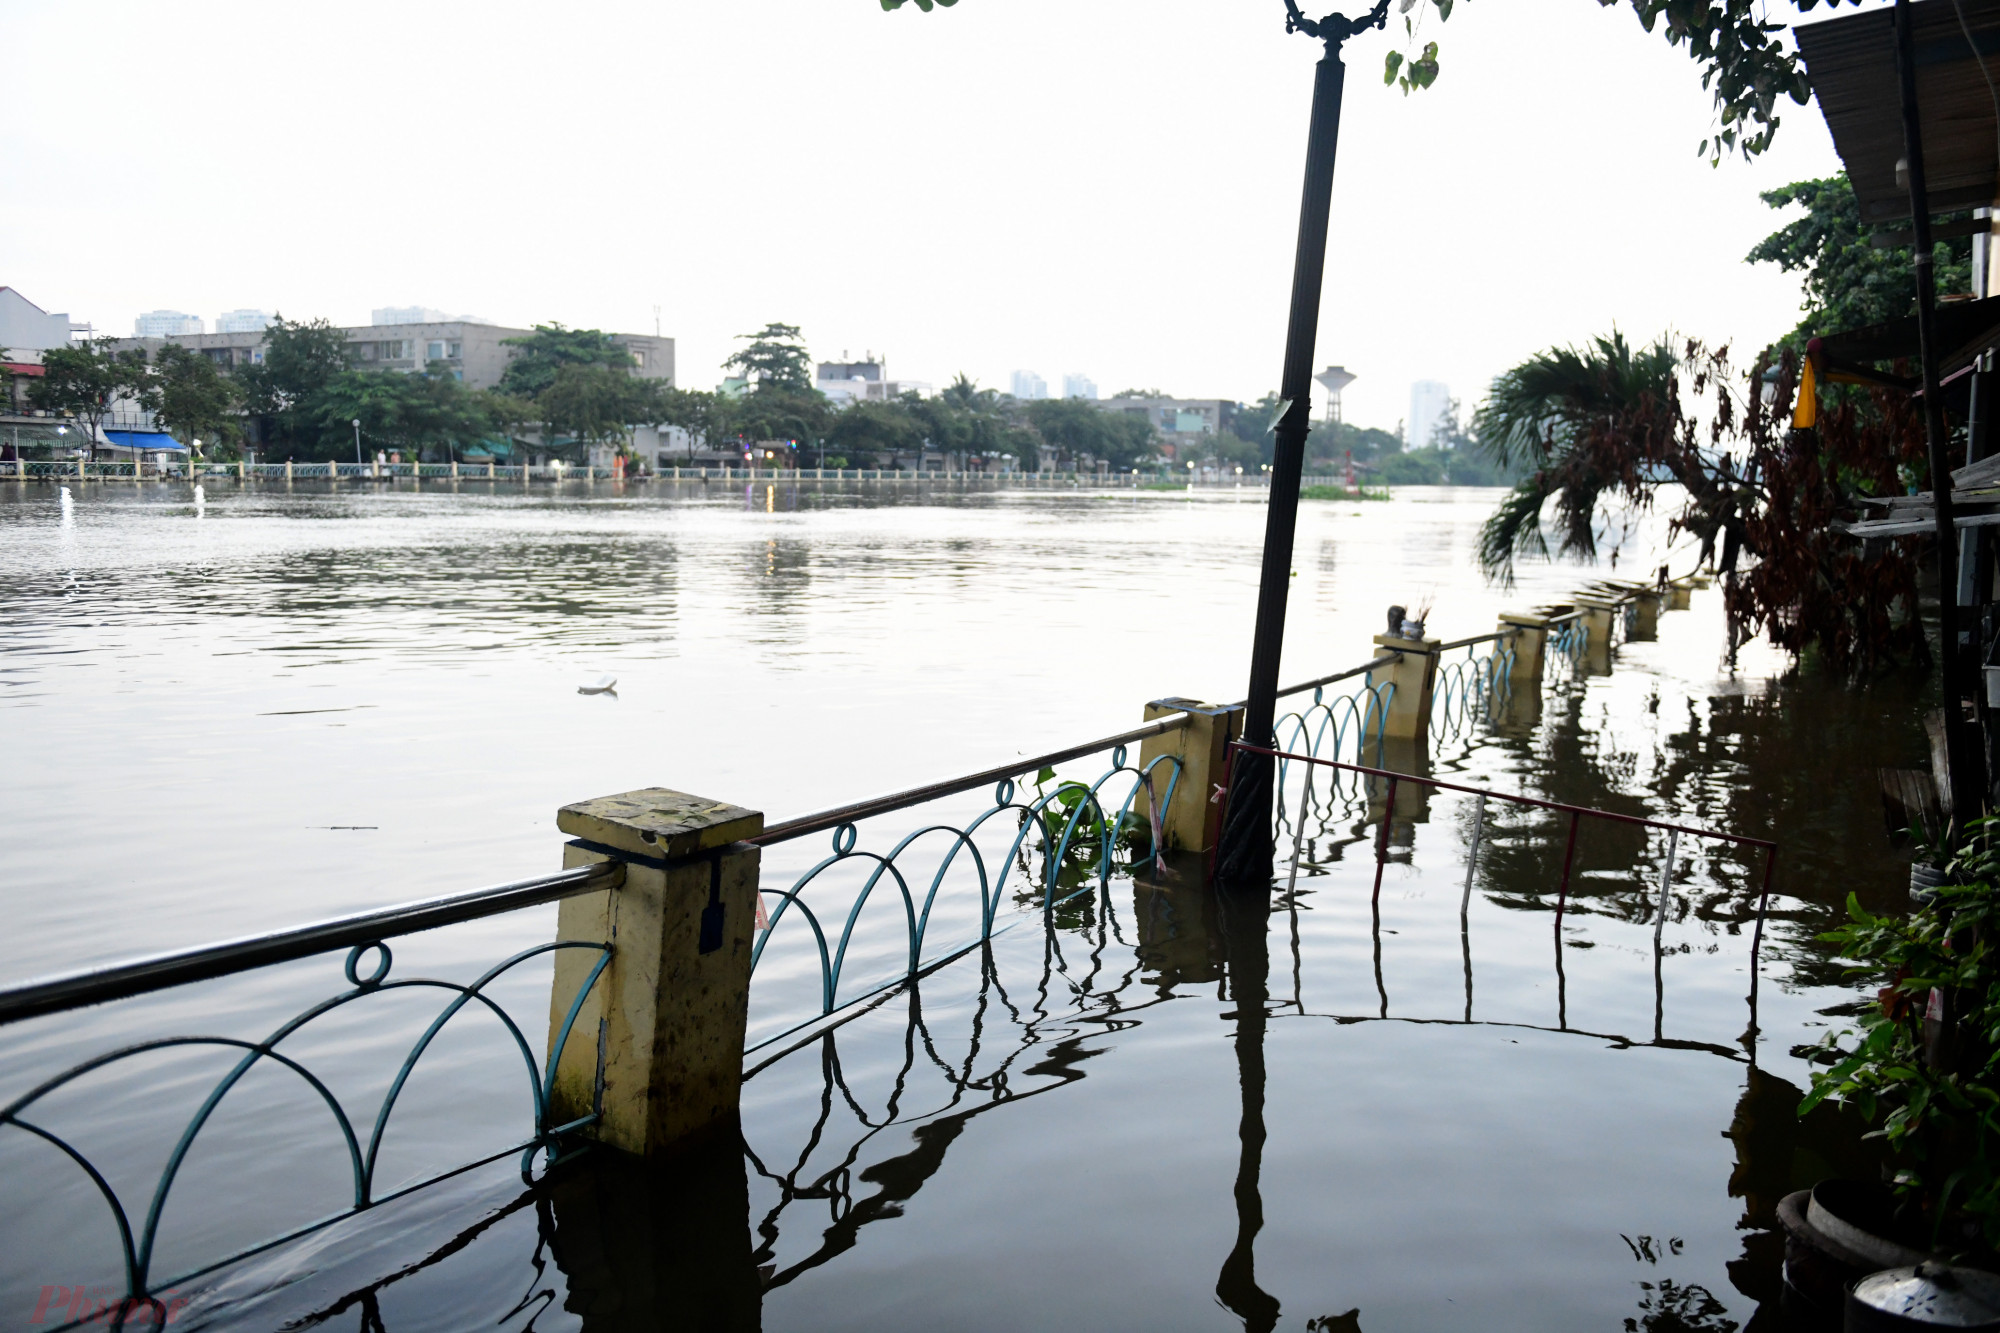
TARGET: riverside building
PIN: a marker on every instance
(474, 352)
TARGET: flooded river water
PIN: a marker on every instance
(1360, 1112)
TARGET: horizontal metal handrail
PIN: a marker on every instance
(1567, 615)
(1478, 638)
(1388, 659)
(78, 990)
(903, 800)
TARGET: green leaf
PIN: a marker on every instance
(1046, 775)
(1444, 8)
(1390, 65)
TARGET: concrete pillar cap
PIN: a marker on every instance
(659, 822)
(1408, 645)
(1194, 706)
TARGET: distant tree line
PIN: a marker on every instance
(567, 391)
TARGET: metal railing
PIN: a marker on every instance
(107, 470)
(1068, 825)
(1063, 844)
(1568, 641)
(363, 935)
(1465, 688)
(1065, 838)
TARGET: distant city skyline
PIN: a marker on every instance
(1079, 386)
(166, 324)
(242, 321)
(1028, 386)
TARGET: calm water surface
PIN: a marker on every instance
(1167, 1112)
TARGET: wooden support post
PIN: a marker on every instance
(669, 1014)
(1413, 674)
(1530, 643)
(1192, 821)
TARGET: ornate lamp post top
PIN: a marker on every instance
(1334, 28)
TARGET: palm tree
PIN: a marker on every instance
(1586, 420)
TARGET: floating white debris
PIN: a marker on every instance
(602, 685)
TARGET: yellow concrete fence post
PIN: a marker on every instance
(1679, 595)
(668, 1016)
(1597, 624)
(1645, 614)
(1192, 821)
(1413, 673)
(1530, 644)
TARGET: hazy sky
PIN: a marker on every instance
(1058, 185)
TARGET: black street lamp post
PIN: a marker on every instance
(1246, 850)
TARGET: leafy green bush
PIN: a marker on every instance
(1924, 1067)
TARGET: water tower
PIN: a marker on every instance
(1333, 379)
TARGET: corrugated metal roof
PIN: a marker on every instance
(1851, 62)
(1964, 330)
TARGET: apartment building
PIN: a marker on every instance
(473, 352)
(1177, 418)
(845, 382)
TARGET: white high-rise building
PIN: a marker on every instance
(166, 324)
(1430, 408)
(242, 321)
(409, 314)
(1028, 385)
(1079, 386)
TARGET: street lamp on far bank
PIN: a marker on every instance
(357, 441)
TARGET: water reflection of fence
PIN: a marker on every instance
(822, 1162)
(1051, 1023)
(1389, 782)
